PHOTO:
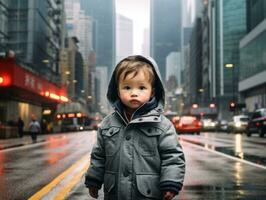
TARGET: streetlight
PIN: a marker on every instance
(46, 61)
(229, 65)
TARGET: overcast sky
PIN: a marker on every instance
(139, 12)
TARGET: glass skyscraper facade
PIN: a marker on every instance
(31, 35)
(103, 16)
(253, 57)
(165, 30)
(252, 85)
(33, 31)
(229, 26)
(256, 13)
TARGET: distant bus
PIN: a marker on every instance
(75, 122)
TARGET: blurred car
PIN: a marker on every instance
(170, 115)
(238, 124)
(222, 125)
(208, 125)
(257, 123)
(187, 124)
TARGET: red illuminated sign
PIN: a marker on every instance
(11, 74)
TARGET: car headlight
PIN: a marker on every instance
(238, 124)
(81, 128)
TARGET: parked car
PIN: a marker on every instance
(238, 124)
(257, 123)
(187, 124)
(208, 125)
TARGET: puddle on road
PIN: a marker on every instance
(230, 151)
(252, 158)
(210, 188)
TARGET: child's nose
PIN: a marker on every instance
(134, 92)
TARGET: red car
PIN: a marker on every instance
(187, 124)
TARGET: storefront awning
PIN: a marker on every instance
(18, 82)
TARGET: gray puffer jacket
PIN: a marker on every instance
(139, 159)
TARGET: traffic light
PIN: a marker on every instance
(232, 106)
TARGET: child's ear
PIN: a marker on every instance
(153, 92)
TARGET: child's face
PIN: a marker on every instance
(135, 91)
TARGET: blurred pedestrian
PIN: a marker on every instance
(137, 154)
(20, 124)
(34, 129)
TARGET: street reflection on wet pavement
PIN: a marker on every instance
(232, 148)
(218, 166)
(214, 176)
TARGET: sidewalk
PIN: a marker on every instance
(25, 140)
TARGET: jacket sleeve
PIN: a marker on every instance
(172, 161)
(95, 173)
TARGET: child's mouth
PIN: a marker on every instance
(134, 102)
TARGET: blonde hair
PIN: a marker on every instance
(127, 67)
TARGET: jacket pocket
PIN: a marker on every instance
(111, 140)
(148, 185)
(147, 141)
(109, 182)
(109, 186)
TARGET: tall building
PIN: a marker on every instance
(195, 66)
(173, 67)
(103, 14)
(165, 30)
(124, 37)
(102, 82)
(252, 82)
(32, 32)
(205, 53)
(73, 69)
(227, 27)
(79, 25)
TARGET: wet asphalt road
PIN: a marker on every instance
(209, 174)
(26, 169)
(212, 175)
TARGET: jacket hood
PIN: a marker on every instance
(112, 93)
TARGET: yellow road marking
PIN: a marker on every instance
(57, 180)
(65, 191)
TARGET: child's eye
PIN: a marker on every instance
(142, 87)
(126, 87)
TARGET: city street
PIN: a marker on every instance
(219, 166)
(70, 67)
